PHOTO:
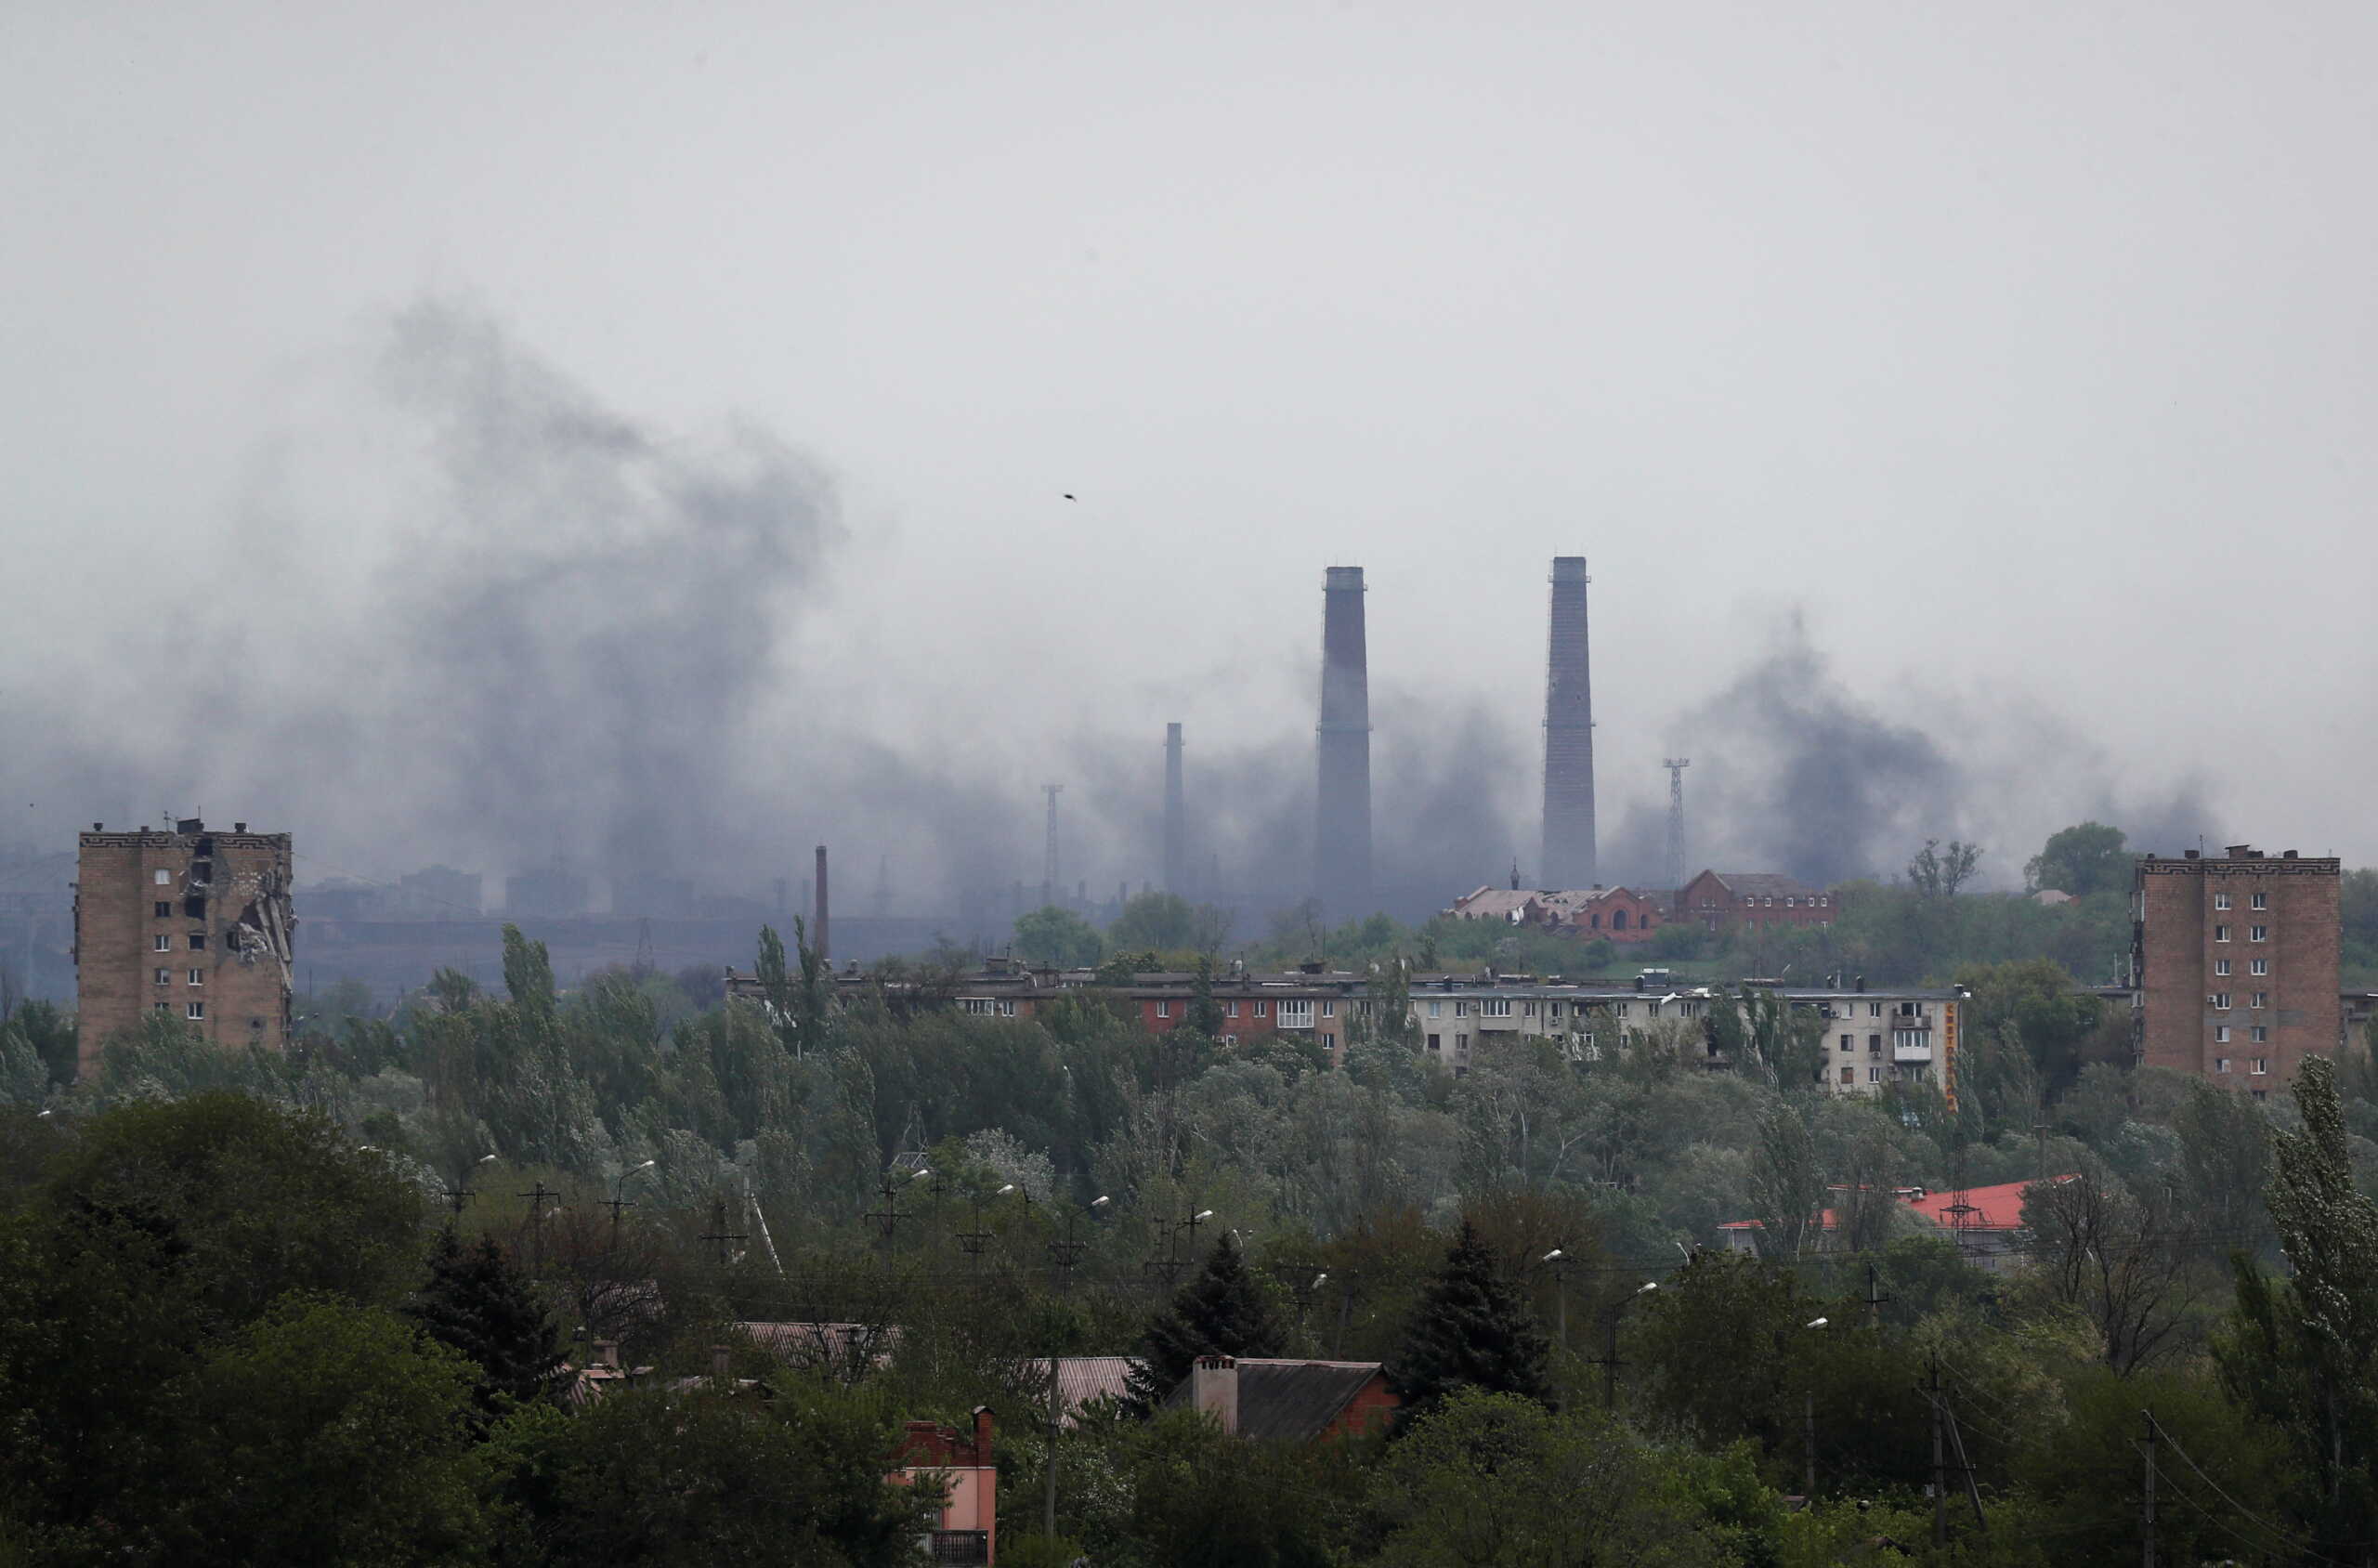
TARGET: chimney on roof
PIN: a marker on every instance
(1342, 837)
(1861, 985)
(981, 1434)
(722, 1362)
(1569, 859)
(606, 1353)
(1176, 817)
(1214, 1390)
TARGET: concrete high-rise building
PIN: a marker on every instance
(2234, 963)
(193, 925)
(1176, 817)
(1343, 835)
(1569, 859)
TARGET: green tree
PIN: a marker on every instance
(2301, 1355)
(478, 1304)
(528, 973)
(2082, 859)
(790, 1476)
(1058, 938)
(1167, 922)
(1786, 1183)
(1224, 1311)
(1205, 1013)
(325, 1433)
(1469, 1330)
(1938, 873)
(1494, 1481)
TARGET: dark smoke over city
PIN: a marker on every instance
(555, 636)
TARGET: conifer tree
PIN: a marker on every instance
(1222, 1312)
(476, 1302)
(1470, 1331)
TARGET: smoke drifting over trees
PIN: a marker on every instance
(469, 612)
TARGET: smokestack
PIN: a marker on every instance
(1568, 736)
(1343, 840)
(1176, 819)
(819, 942)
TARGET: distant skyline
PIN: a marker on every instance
(1983, 392)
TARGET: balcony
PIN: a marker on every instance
(1911, 1046)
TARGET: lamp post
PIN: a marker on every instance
(1063, 1254)
(1560, 1262)
(1809, 1424)
(1610, 1341)
(618, 1202)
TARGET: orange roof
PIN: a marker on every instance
(1999, 1207)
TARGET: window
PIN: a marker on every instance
(2221, 1033)
(1873, 1075)
(1434, 1008)
(1230, 1009)
(1261, 1008)
(1461, 1009)
(2220, 900)
(1556, 1009)
(1461, 1044)
(2260, 901)
(1164, 1010)
(2221, 967)
(195, 1010)
(1436, 1042)
(2259, 966)
(1295, 1015)
(1849, 1042)
(2259, 1033)
(980, 1006)
(2221, 934)
(1909, 1039)
(195, 908)
(165, 879)
(2262, 1094)
(1874, 1045)
(2261, 998)
(1873, 1010)
(1328, 1008)
(2221, 1064)
(2221, 1001)
(165, 909)
(1624, 1009)
(198, 941)
(1007, 1007)
(1849, 1075)
(1790, 902)
(2258, 934)
(164, 943)
(1496, 1007)
(164, 977)
(198, 977)
(2259, 1065)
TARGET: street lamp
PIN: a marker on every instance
(1809, 1423)
(618, 1200)
(1610, 1341)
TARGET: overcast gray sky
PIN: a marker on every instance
(2024, 355)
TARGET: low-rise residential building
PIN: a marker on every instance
(1985, 1222)
(1621, 914)
(968, 1531)
(1287, 1401)
(1721, 900)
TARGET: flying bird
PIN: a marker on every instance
(1069, 495)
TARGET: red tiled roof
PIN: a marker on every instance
(1999, 1207)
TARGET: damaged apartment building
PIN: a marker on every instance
(193, 925)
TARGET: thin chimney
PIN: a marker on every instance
(1569, 859)
(825, 948)
(1176, 819)
(1214, 1390)
(1342, 839)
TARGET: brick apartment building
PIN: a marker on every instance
(1619, 913)
(190, 923)
(1720, 900)
(2234, 963)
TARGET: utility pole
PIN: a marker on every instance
(1676, 767)
(2146, 1498)
(719, 1235)
(1874, 1298)
(1940, 1459)
(537, 1225)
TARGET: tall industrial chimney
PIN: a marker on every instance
(1176, 821)
(818, 941)
(1568, 736)
(1342, 841)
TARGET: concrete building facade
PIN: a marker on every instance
(2234, 963)
(194, 924)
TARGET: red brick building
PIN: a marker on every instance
(1720, 900)
(1618, 913)
(193, 925)
(2234, 963)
